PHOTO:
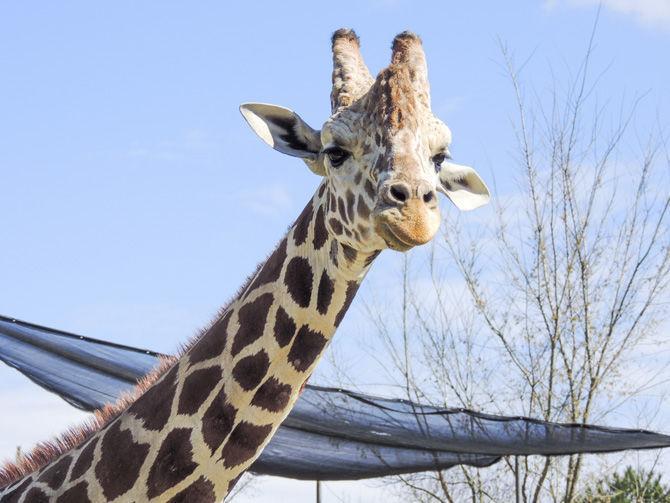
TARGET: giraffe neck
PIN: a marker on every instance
(205, 421)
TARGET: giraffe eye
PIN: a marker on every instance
(438, 159)
(336, 156)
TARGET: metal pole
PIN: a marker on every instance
(517, 479)
(318, 491)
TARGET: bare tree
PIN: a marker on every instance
(552, 300)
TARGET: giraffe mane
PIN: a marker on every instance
(43, 453)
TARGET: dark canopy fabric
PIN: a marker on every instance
(331, 434)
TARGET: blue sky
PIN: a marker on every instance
(134, 198)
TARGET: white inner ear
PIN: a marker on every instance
(278, 127)
(263, 118)
(259, 126)
(463, 186)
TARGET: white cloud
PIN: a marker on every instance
(654, 13)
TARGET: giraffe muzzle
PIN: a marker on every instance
(408, 215)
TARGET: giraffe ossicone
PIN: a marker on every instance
(197, 423)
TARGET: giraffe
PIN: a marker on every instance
(200, 420)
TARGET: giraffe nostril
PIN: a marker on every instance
(426, 192)
(399, 192)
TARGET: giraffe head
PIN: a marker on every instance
(382, 152)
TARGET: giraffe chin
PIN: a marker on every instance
(394, 240)
(411, 226)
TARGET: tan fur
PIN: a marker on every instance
(351, 78)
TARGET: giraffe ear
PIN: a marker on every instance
(286, 132)
(463, 186)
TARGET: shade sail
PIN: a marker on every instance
(331, 434)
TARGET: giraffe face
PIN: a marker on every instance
(383, 177)
(382, 152)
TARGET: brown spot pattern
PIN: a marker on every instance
(84, 460)
(119, 450)
(272, 395)
(217, 421)
(36, 496)
(299, 280)
(284, 328)
(15, 495)
(301, 226)
(352, 288)
(250, 370)
(252, 318)
(272, 268)
(200, 491)
(336, 226)
(320, 231)
(54, 476)
(362, 208)
(76, 494)
(196, 389)
(243, 443)
(341, 210)
(381, 164)
(153, 408)
(369, 188)
(307, 346)
(213, 342)
(349, 253)
(173, 463)
(351, 201)
(333, 252)
(325, 293)
(370, 258)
